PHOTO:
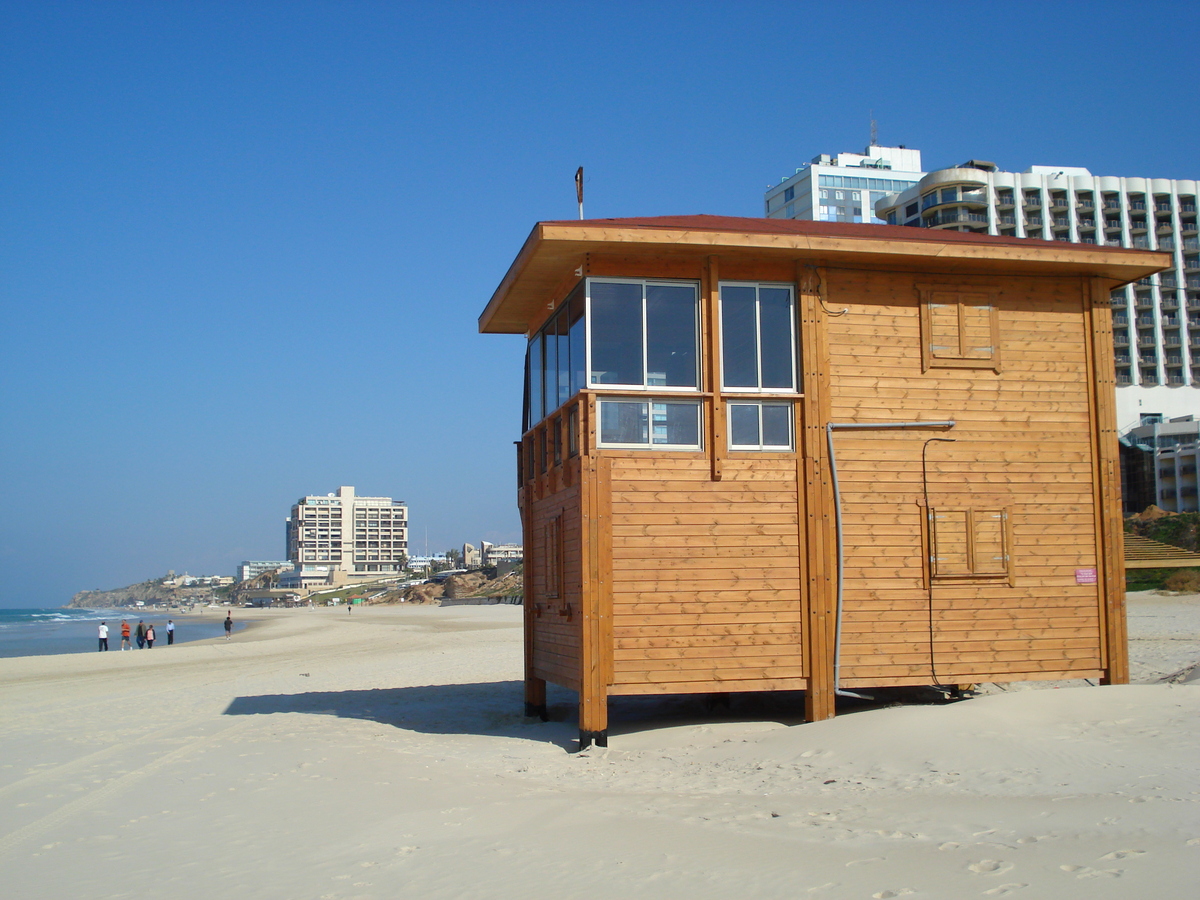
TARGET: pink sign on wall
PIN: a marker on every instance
(1085, 576)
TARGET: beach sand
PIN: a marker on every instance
(383, 754)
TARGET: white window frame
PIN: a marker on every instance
(644, 386)
(790, 447)
(795, 338)
(649, 445)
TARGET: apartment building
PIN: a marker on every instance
(846, 187)
(1173, 447)
(347, 534)
(1156, 320)
(252, 568)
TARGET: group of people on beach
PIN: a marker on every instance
(145, 634)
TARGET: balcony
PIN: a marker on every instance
(1137, 225)
(1193, 303)
(1145, 340)
(1032, 201)
(1188, 227)
(1175, 378)
(1004, 199)
(1145, 321)
(1172, 341)
(1007, 220)
(1061, 222)
(1142, 243)
(1193, 282)
(1174, 359)
(1191, 243)
(1166, 243)
(1137, 204)
(1168, 302)
(1120, 318)
(1124, 378)
(1144, 300)
(1148, 380)
(1120, 339)
(1187, 205)
(1033, 220)
(1059, 201)
(1164, 226)
(1112, 224)
(1112, 203)
(1087, 224)
(1122, 359)
(1162, 206)
(1086, 203)
(1191, 263)
(955, 217)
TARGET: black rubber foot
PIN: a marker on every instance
(590, 738)
(535, 710)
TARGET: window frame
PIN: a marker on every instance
(649, 402)
(794, 338)
(697, 354)
(761, 447)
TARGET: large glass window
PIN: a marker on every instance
(644, 423)
(643, 333)
(758, 338)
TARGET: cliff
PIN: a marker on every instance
(148, 592)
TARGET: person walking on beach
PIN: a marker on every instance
(170, 632)
(103, 636)
(125, 644)
(228, 624)
(150, 637)
(140, 634)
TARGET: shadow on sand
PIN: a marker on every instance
(496, 708)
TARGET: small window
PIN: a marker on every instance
(968, 543)
(668, 425)
(760, 426)
(573, 432)
(789, 194)
(959, 328)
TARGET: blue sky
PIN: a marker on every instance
(243, 246)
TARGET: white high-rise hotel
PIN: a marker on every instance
(359, 536)
(1157, 320)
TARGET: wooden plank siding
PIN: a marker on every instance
(1023, 442)
(705, 586)
(556, 616)
(993, 554)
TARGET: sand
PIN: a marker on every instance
(383, 754)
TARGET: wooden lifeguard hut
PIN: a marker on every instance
(762, 454)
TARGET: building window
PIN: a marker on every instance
(760, 426)
(668, 424)
(789, 194)
(758, 337)
(968, 544)
(959, 328)
(644, 333)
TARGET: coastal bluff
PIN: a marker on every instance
(156, 590)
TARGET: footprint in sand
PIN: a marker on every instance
(899, 892)
(1005, 889)
(1089, 872)
(990, 867)
(1123, 854)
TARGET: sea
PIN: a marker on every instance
(47, 632)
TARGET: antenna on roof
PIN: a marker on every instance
(579, 189)
(874, 131)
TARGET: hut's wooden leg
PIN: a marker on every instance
(593, 720)
(535, 697)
